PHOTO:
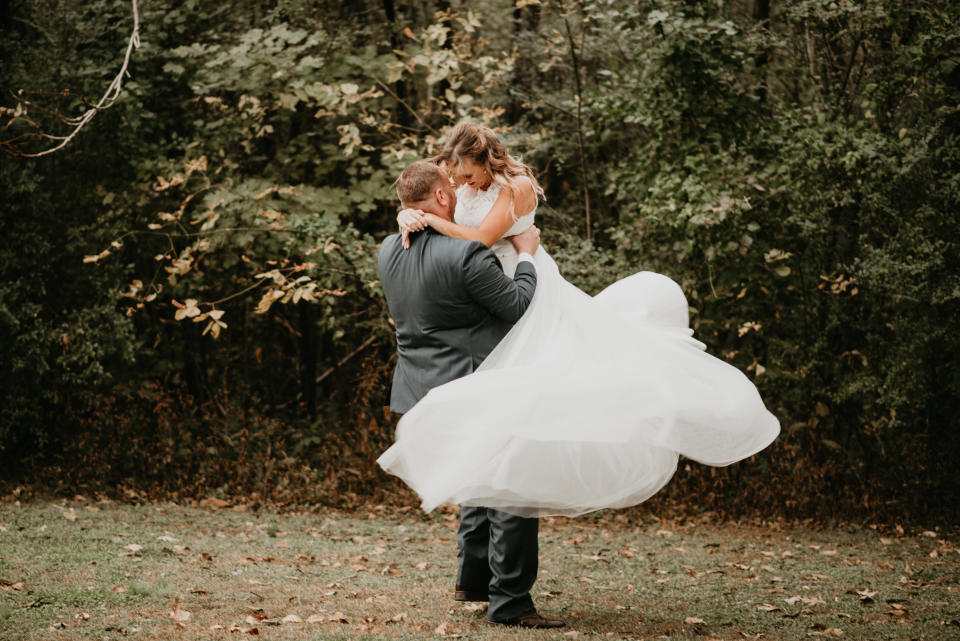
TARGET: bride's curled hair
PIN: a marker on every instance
(481, 145)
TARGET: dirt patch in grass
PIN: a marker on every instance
(85, 570)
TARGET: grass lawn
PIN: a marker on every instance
(85, 570)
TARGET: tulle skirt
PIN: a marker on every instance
(586, 404)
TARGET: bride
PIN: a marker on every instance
(587, 402)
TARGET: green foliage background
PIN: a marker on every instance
(794, 165)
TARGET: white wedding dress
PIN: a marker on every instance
(587, 403)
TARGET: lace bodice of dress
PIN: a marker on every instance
(473, 205)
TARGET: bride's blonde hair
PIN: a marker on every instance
(481, 145)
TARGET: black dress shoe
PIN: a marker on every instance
(462, 594)
(532, 620)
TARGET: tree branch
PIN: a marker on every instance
(108, 98)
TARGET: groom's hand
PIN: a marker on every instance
(527, 241)
(410, 220)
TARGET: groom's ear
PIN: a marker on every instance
(440, 195)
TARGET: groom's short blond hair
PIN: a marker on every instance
(417, 182)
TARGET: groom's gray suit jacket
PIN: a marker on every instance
(451, 303)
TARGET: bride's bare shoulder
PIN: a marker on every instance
(525, 196)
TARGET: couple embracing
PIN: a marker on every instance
(523, 396)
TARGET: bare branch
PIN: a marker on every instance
(108, 98)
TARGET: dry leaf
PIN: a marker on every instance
(118, 588)
(693, 620)
(398, 618)
(178, 614)
(316, 618)
(215, 503)
(767, 607)
(70, 515)
(82, 616)
(134, 549)
(444, 629)
(291, 618)
(338, 617)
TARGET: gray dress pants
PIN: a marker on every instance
(498, 556)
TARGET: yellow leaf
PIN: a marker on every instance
(268, 300)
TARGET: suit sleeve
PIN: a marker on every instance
(493, 290)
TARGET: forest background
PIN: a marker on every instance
(189, 303)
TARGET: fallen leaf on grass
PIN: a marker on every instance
(398, 618)
(338, 617)
(166, 539)
(693, 620)
(81, 616)
(828, 632)
(445, 630)
(423, 565)
(475, 607)
(316, 618)
(767, 607)
(134, 549)
(118, 588)
(70, 515)
(291, 618)
(178, 614)
(866, 596)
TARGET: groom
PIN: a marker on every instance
(452, 303)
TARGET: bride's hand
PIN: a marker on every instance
(410, 220)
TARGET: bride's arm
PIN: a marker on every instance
(497, 221)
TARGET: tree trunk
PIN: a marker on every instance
(761, 13)
(308, 358)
